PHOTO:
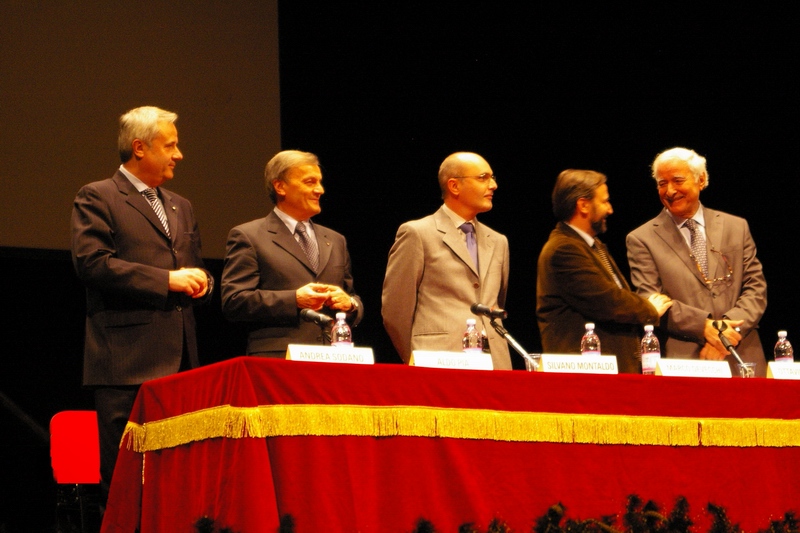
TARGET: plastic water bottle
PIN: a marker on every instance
(651, 351)
(590, 343)
(340, 333)
(783, 349)
(472, 341)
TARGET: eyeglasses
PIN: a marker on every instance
(483, 178)
(727, 279)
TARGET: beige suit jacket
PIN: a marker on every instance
(431, 282)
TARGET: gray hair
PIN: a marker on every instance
(572, 185)
(141, 123)
(695, 162)
(280, 163)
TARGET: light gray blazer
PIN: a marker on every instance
(431, 282)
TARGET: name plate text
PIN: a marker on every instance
(693, 368)
(578, 364)
(783, 370)
(330, 354)
(458, 360)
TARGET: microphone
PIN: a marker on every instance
(479, 309)
(320, 319)
(721, 326)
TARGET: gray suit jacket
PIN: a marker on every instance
(660, 262)
(431, 282)
(135, 327)
(264, 266)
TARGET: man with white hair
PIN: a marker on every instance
(705, 260)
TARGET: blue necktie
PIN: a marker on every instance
(472, 242)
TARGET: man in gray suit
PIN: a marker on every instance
(136, 246)
(279, 265)
(705, 260)
(432, 278)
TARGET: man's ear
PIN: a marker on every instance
(583, 205)
(137, 148)
(453, 187)
(279, 185)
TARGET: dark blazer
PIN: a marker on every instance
(660, 262)
(264, 267)
(135, 327)
(573, 287)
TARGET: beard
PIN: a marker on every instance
(599, 227)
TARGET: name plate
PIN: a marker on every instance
(693, 368)
(578, 364)
(330, 354)
(459, 360)
(783, 370)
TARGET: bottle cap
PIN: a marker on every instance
(341, 316)
(470, 321)
(648, 327)
(781, 333)
(590, 325)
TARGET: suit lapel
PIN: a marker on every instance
(324, 246)
(453, 240)
(485, 247)
(136, 200)
(714, 230)
(282, 238)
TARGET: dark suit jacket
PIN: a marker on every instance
(660, 262)
(135, 327)
(573, 288)
(264, 266)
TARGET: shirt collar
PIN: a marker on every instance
(136, 182)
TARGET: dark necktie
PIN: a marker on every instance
(698, 246)
(152, 197)
(472, 242)
(601, 251)
(308, 245)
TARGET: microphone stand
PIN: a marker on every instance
(503, 332)
(721, 326)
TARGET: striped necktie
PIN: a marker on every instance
(308, 245)
(698, 245)
(155, 203)
(601, 251)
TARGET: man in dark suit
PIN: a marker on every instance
(136, 247)
(279, 265)
(432, 278)
(713, 277)
(578, 281)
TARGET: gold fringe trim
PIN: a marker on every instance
(416, 421)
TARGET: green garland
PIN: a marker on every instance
(639, 517)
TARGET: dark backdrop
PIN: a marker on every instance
(382, 92)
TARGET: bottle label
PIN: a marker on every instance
(649, 362)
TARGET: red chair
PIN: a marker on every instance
(75, 457)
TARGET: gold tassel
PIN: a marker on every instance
(416, 421)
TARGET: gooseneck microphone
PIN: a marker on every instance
(320, 319)
(479, 309)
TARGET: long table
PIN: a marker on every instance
(336, 447)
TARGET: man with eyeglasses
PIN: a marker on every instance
(578, 281)
(442, 264)
(706, 261)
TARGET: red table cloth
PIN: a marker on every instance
(357, 448)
